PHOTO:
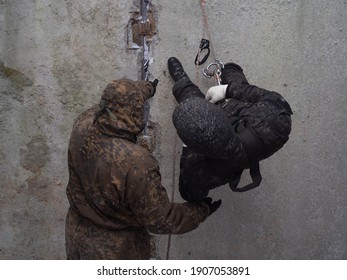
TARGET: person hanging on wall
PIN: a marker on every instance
(115, 193)
(232, 128)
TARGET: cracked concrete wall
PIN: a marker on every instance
(57, 56)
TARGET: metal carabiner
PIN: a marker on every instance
(209, 73)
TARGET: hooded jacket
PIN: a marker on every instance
(115, 185)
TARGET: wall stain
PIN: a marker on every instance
(18, 79)
(35, 155)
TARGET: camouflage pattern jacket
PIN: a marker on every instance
(114, 183)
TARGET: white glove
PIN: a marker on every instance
(216, 93)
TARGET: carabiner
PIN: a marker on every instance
(219, 65)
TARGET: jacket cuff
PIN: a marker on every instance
(228, 93)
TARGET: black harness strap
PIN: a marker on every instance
(204, 45)
(254, 148)
(254, 171)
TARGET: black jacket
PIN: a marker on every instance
(215, 135)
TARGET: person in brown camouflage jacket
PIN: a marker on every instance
(114, 190)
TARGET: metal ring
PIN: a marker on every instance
(218, 64)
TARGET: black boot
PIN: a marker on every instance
(233, 73)
(176, 69)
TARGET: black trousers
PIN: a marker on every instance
(184, 89)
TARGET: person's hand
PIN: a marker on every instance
(216, 93)
(154, 85)
(213, 205)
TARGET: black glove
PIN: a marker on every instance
(212, 205)
(154, 85)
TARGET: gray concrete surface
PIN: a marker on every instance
(55, 58)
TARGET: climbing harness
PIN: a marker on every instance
(254, 148)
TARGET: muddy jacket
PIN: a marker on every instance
(114, 190)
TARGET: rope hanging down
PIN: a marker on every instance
(207, 44)
(208, 72)
(214, 69)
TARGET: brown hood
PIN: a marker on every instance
(121, 108)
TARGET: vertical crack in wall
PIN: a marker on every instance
(141, 31)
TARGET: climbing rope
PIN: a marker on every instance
(214, 69)
(206, 28)
(173, 184)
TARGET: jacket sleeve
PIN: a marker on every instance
(152, 207)
(247, 93)
(254, 94)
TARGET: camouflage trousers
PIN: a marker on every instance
(85, 240)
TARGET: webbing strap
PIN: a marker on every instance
(251, 141)
(254, 148)
(254, 171)
(204, 45)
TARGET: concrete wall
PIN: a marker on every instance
(56, 57)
